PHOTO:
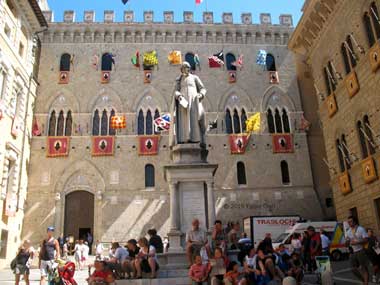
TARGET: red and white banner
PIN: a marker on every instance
(148, 145)
(238, 143)
(282, 143)
(103, 145)
(58, 146)
(198, 2)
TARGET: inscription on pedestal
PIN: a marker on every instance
(192, 206)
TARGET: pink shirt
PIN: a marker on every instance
(198, 271)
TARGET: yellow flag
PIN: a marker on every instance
(175, 57)
(150, 58)
(253, 123)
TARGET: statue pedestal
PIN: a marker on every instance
(191, 181)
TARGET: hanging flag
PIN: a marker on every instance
(36, 128)
(175, 57)
(148, 145)
(305, 124)
(253, 123)
(118, 122)
(150, 58)
(212, 125)
(124, 1)
(282, 143)
(162, 123)
(239, 62)
(238, 143)
(111, 57)
(261, 58)
(197, 2)
(216, 60)
(136, 59)
(95, 61)
(57, 146)
(103, 145)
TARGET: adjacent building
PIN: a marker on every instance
(20, 23)
(337, 43)
(85, 176)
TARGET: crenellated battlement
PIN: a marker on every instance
(69, 16)
(168, 31)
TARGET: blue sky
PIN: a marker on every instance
(275, 7)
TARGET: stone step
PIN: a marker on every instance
(160, 281)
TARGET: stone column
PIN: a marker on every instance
(210, 204)
(58, 213)
(173, 207)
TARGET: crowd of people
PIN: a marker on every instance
(208, 258)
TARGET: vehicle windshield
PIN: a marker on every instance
(281, 238)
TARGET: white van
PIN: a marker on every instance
(334, 231)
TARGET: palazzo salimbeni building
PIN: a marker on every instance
(85, 175)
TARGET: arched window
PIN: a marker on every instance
(368, 28)
(65, 62)
(375, 19)
(60, 124)
(228, 122)
(327, 81)
(112, 131)
(140, 123)
(52, 124)
(339, 150)
(149, 176)
(149, 123)
(362, 139)
(230, 58)
(95, 123)
(236, 122)
(345, 152)
(156, 115)
(107, 61)
(189, 57)
(285, 173)
(346, 61)
(243, 121)
(104, 123)
(241, 177)
(372, 24)
(352, 57)
(285, 121)
(69, 124)
(270, 120)
(368, 131)
(270, 63)
(277, 119)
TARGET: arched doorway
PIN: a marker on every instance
(79, 214)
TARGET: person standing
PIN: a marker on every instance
(48, 253)
(61, 242)
(99, 248)
(325, 243)
(196, 238)
(24, 258)
(356, 238)
(373, 253)
(90, 240)
(315, 246)
(218, 236)
(156, 241)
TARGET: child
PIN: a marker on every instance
(233, 276)
(101, 274)
(198, 272)
(218, 267)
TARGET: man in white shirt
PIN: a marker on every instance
(356, 238)
(196, 238)
(325, 243)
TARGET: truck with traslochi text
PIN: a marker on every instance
(257, 227)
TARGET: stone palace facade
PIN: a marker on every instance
(122, 195)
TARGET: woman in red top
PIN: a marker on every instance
(233, 276)
(101, 274)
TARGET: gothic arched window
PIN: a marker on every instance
(69, 124)
(140, 123)
(362, 139)
(368, 28)
(149, 123)
(346, 60)
(285, 172)
(95, 123)
(64, 64)
(112, 131)
(345, 152)
(340, 156)
(285, 121)
(368, 131)
(230, 58)
(229, 129)
(107, 61)
(156, 115)
(189, 57)
(372, 24)
(149, 176)
(243, 120)
(241, 177)
(52, 124)
(270, 63)
(104, 123)
(237, 129)
(277, 119)
(60, 124)
(270, 119)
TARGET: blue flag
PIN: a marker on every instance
(124, 1)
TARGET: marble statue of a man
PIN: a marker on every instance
(187, 108)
